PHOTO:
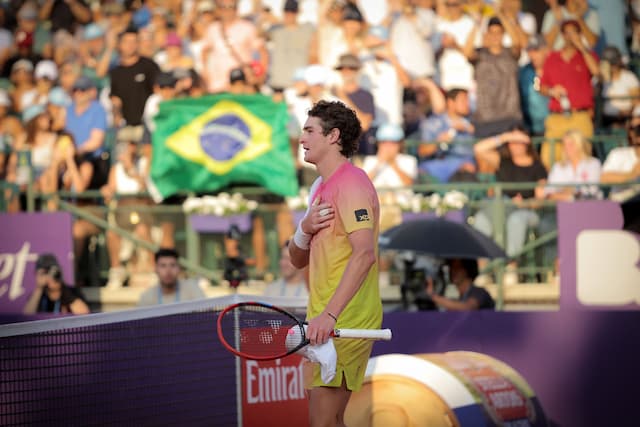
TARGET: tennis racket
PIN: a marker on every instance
(260, 331)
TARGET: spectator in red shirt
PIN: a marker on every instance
(566, 79)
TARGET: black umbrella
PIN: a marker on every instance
(441, 238)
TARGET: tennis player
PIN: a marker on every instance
(338, 238)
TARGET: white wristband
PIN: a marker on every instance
(301, 239)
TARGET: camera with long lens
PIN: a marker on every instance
(414, 284)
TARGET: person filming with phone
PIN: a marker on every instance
(51, 294)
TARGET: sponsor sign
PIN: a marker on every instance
(25, 236)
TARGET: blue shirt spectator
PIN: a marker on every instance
(86, 119)
(446, 147)
(535, 105)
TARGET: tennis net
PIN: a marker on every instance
(155, 366)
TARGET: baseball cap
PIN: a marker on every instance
(141, 18)
(390, 132)
(83, 83)
(291, 6)
(379, 31)
(352, 13)
(46, 69)
(536, 41)
(298, 74)
(93, 31)
(32, 112)
(22, 64)
(316, 75)
(237, 75)
(28, 12)
(348, 60)
(46, 261)
(173, 40)
(570, 21)
(612, 55)
(58, 96)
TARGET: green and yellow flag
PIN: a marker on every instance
(207, 143)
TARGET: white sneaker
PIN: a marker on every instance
(117, 276)
(510, 277)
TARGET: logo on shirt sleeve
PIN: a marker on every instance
(361, 215)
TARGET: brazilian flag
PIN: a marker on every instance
(207, 143)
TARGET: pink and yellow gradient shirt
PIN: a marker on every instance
(354, 199)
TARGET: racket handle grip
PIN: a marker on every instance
(367, 334)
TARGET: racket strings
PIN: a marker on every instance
(257, 331)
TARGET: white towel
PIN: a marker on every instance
(324, 354)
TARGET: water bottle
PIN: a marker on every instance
(23, 168)
(565, 104)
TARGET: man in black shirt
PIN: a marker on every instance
(132, 80)
(462, 273)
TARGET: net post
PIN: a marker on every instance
(239, 391)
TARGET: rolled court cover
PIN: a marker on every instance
(457, 388)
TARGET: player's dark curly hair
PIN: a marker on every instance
(336, 115)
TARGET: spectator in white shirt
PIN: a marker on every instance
(410, 37)
(383, 76)
(390, 168)
(164, 88)
(578, 173)
(621, 88)
(455, 70)
(623, 163)
(577, 10)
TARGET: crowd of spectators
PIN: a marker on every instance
(82, 80)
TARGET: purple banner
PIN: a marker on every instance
(24, 237)
(598, 260)
(220, 224)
